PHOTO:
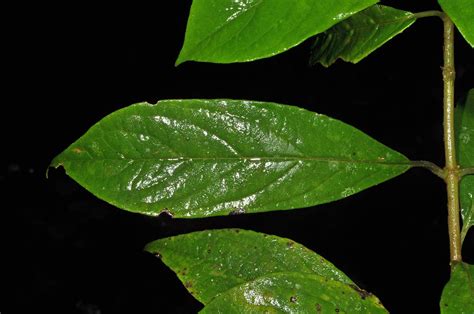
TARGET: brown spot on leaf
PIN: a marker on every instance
(318, 308)
(77, 150)
(293, 299)
(290, 244)
(188, 284)
(363, 294)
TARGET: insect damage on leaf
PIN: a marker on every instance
(363, 294)
(78, 150)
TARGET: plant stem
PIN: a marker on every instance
(451, 169)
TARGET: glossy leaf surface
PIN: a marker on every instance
(294, 293)
(465, 142)
(461, 13)
(198, 158)
(225, 31)
(458, 294)
(213, 261)
(356, 37)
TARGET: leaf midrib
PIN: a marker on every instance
(256, 159)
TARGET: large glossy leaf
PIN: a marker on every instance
(225, 31)
(458, 294)
(294, 293)
(356, 37)
(213, 261)
(462, 14)
(465, 142)
(197, 158)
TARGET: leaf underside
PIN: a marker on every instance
(461, 13)
(225, 31)
(465, 138)
(458, 294)
(241, 271)
(198, 158)
(356, 37)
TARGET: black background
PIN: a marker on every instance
(65, 68)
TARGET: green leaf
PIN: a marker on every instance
(465, 138)
(356, 37)
(213, 261)
(225, 31)
(294, 293)
(198, 158)
(458, 294)
(461, 13)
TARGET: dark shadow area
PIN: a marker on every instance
(69, 252)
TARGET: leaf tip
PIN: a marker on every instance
(47, 172)
(55, 163)
(153, 247)
(180, 60)
(150, 249)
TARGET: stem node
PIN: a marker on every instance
(451, 170)
(449, 74)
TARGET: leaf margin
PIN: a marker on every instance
(407, 18)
